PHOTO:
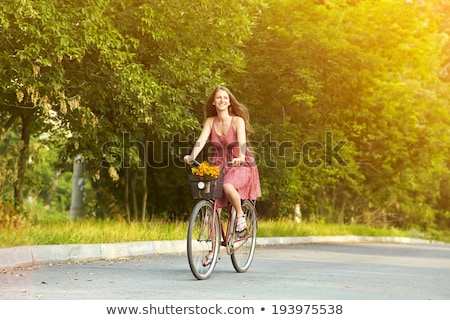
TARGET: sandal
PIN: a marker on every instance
(207, 261)
(244, 223)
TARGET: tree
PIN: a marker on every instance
(349, 103)
(354, 71)
(101, 71)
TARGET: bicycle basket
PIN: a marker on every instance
(205, 188)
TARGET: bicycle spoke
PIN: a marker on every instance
(204, 233)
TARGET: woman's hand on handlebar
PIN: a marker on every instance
(190, 160)
(237, 162)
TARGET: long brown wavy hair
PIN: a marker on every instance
(236, 108)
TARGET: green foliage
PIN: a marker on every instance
(349, 104)
(372, 80)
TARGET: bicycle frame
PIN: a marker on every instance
(226, 234)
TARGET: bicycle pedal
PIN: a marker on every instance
(241, 234)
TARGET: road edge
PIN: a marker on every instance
(26, 256)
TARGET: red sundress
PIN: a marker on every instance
(244, 178)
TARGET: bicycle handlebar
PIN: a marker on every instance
(196, 163)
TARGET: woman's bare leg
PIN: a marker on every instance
(235, 200)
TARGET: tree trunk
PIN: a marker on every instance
(52, 190)
(22, 162)
(127, 194)
(133, 194)
(144, 179)
(77, 209)
(144, 193)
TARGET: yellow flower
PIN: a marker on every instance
(206, 170)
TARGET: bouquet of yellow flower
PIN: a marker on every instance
(206, 170)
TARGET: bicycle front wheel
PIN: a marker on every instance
(203, 240)
(245, 242)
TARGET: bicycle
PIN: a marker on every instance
(206, 232)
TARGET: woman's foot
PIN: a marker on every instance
(241, 223)
(207, 260)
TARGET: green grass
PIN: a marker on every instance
(105, 231)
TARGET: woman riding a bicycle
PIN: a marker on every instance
(226, 128)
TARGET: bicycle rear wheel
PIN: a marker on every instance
(245, 242)
(203, 238)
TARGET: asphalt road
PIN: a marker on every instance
(355, 271)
